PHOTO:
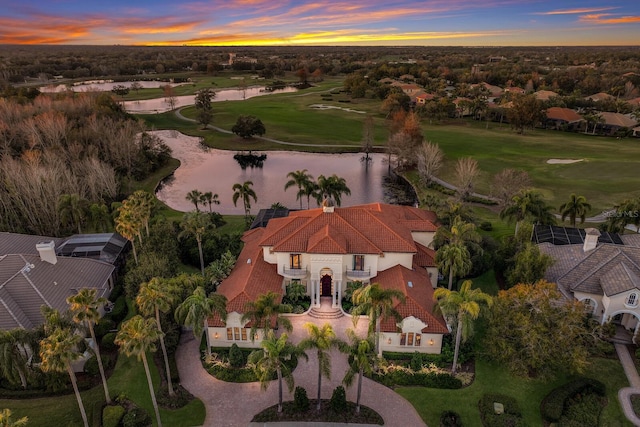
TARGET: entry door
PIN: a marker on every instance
(326, 285)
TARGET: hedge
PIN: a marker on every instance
(553, 404)
(402, 378)
(112, 415)
(511, 417)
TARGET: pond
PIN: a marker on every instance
(104, 86)
(217, 171)
(160, 105)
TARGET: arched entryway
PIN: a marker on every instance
(325, 285)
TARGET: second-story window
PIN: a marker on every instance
(358, 262)
(296, 261)
(632, 299)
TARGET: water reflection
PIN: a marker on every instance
(217, 171)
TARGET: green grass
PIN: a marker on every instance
(491, 378)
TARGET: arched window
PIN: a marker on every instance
(589, 305)
(632, 299)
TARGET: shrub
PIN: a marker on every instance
(300, 399)
(236, 358)
(486, 226)
(433, 380)
(511, 416)
(553, 405)
(119, 310)
(91, 366)
(338, 401)
(111, 415)
(136, 417)
(103, 327)
(416, 361)
(450, 419)
(107, 343)
(583, 410)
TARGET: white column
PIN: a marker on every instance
(317, 290)
(339, 293)
(334, 290)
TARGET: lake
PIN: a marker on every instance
(217, 171)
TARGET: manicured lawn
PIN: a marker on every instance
(491, 378)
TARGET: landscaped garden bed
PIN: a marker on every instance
(230, 364)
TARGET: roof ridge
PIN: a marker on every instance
(391, 230)
(590, 272)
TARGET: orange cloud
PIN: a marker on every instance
(607, 18)
(574, 11)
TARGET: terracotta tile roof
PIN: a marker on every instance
(366, 229)
(419, 298)
(251, 276)
(425, 257)
(617, 119)
(565, 114)
(600, 96)
(544, 95)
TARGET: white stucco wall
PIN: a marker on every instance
(391, 259)
(423, 237)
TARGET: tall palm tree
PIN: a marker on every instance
(246, 193)
(528, 204)
(142, 203)
(137, 336)
(310, 190)
(576, 207)
(195, 224)
(453, 259)
(377, 303)
(6, 421)
(14, 356)
(459, 232)
(210, 199)
(85, 307)
(72, 209)
(100, 217)
(195, 197)
(264, 312)
(332, 186)
(155, 296)
(57, 351)
(300, 179)
(272, 359)
(194, 311)
(361, 360)
(128, 226)
(322, 340)
(464, 306)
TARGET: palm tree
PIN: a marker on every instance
(195, 197)
(272, 359)
(246, 193)
(194, 311)
(377, 303)
(72, 209)
(453, 259)
(300, 179)
(528, 204)
(142, 203)
(137, 336)
(14, 356)
(322, 340)
(460, 232)
(264, 312)
(57, 351)
(128, 226)
(195, 224)
(85, 306)
(157, 296)
(465, 307)
(310, 190)
(100, 217)
(210, 199)
(361, 360)
(6, 421)
(333, 187)
(576, 207)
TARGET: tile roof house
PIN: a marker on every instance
(558, 117)
(34, 272)
(614, 121)
(605, 276)
(326, 248)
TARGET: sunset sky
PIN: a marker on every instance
(309, 22)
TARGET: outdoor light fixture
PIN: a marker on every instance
(431, 341)
(389, 341)
(216, 336)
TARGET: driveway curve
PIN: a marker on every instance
(232, 404)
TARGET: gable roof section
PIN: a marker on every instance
(327, 241)
(426, 257)
(27, 283)
(621, 278)
(617, 119)
(419, 298)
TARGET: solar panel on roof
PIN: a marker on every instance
(567, 235)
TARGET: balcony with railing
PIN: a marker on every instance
(359, 274)
(294, 273)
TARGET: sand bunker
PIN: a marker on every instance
(563, 161)
(331, 107)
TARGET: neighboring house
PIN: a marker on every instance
(409, 89)
(563, 118)
(600, 269)
(326, 248)
(421, 98)
(612, 122)
(600, 96)
(545, 95)
(38, 270)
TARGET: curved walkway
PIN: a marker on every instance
(624, 394)
(232, 404)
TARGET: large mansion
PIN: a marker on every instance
(324, 249)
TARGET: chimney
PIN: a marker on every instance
(590, 239)
(47, 251)
(327, 205)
